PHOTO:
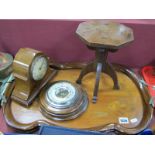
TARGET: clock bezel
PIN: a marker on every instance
(30, 67)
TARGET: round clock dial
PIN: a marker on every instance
(39, 68)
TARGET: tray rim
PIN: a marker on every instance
(11, 121)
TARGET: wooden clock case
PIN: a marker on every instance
(26, 89)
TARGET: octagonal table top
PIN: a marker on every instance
(104, 34)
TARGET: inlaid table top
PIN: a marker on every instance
(104, 34)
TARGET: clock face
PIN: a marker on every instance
(39, 68)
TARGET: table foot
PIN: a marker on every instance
(94, 99)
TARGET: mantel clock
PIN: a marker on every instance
(31, 72)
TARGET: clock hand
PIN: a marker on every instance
(41, 65)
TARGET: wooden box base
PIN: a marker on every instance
(36, 91)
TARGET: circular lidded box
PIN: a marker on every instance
(63, 100)
(6, 61)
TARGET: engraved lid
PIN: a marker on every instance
(5, 60)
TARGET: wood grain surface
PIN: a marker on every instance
(111, 105)
(105, 34)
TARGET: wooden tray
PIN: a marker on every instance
(131, 102)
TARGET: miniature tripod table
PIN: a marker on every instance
(103, 36)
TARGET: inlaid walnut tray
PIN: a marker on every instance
(129, 103)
